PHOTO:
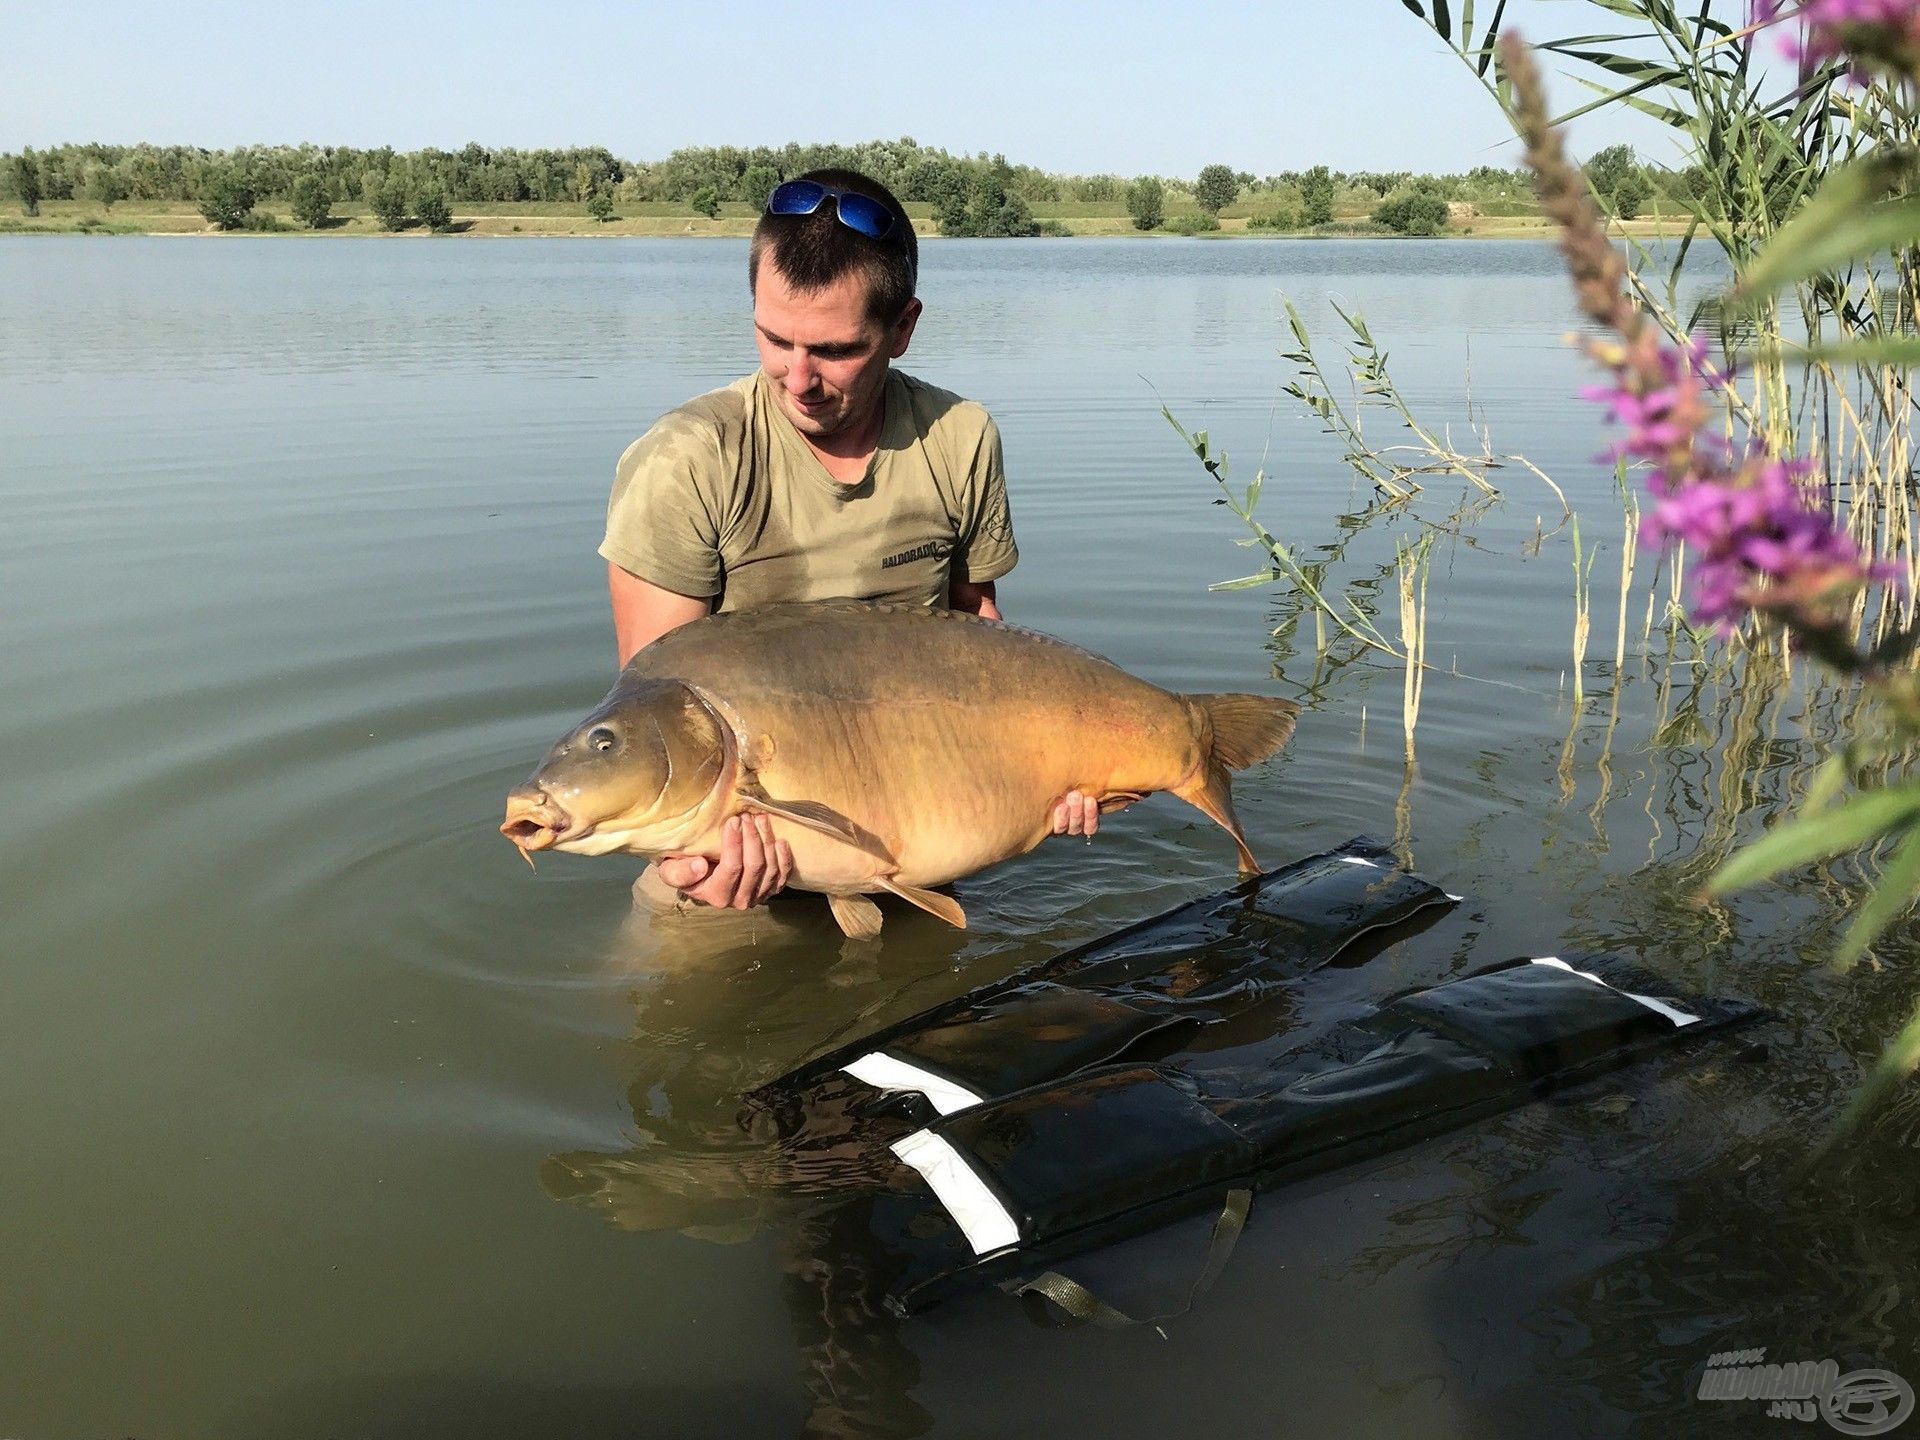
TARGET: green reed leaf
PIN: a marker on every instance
(1828, 777)
(1900, 350)
(1898, 887)
(1246, 582)
(1896, 1062)
(1629, 96)
(1805, 838)
(1489, 38)
(1839, 224)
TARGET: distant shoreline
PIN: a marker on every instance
(664, 221)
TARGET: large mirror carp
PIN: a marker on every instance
(894, 748)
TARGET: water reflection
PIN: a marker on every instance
(723, 1003)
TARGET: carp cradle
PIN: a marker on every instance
(1064, 1110)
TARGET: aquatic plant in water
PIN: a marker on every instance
(1764, 542)
(1768, 543)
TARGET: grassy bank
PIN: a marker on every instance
(661, 218)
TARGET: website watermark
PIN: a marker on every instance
(1858, 1402)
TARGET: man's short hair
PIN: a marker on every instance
(815, 251)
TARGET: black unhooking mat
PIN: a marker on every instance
(1067, 1109)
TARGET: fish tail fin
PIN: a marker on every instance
(1210, 791)
(1245, 729)
(1238, 731)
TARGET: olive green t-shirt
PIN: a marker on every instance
(722, 498)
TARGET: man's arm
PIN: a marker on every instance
(643, 611)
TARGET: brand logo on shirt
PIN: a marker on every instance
(932, 549)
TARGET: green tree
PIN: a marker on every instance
(950, 213)
(431, 206)
(1316, 195)
(226, 198)
(1413, 212)
(1607, 168)
(388, 201)
(989, 207)
(26, 181)
(106, 184)
(706, 201)
(312, 205)
(600, 206)
(1147, 202)
(757, 184)
(1630, 195)
(1216, 188)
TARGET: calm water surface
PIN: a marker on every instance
(328, 1118)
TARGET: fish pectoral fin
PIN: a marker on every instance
(821, 818)
(858, 916)
(1210, 791)
(1119, 800)
(931, 901)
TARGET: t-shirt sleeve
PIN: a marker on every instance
(986, 550)
(662, 523)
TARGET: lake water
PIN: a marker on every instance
(327, 1117)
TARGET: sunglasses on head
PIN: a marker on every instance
(860, 213)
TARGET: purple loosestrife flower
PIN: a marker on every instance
(1870, 34)
(1660, 393)
(1760, 543)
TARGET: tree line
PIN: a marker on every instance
(970, 194)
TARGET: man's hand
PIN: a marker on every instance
(1077, 814)
(974, 599)
(752, 866)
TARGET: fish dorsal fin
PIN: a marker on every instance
(931, 901)
(858, 916)
(822, 818)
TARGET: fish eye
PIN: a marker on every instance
(601, 738)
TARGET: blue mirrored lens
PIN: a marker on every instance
(869, 217)
(796, 197)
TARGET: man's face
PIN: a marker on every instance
(825, 355)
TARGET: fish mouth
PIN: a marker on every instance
(534, 822)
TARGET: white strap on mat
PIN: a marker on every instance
(889, 1072)
(975, 1209)
(1677, 1016)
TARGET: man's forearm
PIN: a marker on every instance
(643, 612)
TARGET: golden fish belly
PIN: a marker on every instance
(949, 790)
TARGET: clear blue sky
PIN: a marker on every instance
(1124, 86)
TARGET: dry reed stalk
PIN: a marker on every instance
(1412, 571)
(1629, 548)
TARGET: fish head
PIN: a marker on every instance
(631, 776)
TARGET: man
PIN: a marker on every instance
(825, 474)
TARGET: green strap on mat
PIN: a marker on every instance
(1058, 1303)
